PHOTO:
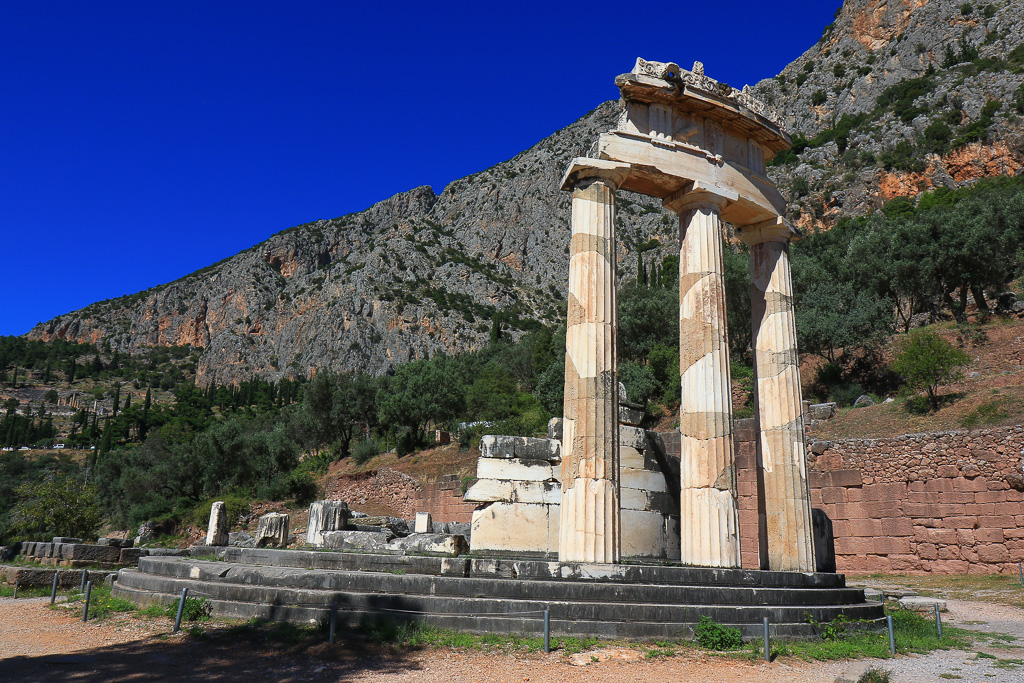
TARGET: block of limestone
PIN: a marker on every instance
(422, 523)
(272, 530)
(217, 530)
(324, 516)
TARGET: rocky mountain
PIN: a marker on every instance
(412, 276)
(897, 97)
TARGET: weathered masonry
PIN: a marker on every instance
(701, 147)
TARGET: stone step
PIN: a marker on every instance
(526, 570)
(530, 626)
(268, 600)
(376, 582)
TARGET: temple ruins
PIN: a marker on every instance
(587, 526)
(701, 147)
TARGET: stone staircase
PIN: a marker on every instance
(485, 595)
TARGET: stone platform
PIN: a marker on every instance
(488, 595)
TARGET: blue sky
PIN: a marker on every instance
(140, 141)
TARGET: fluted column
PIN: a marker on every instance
(780, 411)
(589, 523)
(709, 516)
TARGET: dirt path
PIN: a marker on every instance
(39, 644)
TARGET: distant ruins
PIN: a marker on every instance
(701, 147)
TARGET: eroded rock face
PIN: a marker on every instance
(878, 44)
(414, 275)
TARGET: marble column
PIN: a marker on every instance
(709, 516)
(589, 522)
(782, 453)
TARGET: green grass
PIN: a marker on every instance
(102, 604)
(24, 591)
(153, 611)
(1011, 664)
(384, 631)
(914, 634)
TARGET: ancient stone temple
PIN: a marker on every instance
(701, 147)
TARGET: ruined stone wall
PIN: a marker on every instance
(443, 500)
(390, 492)
(946, 503)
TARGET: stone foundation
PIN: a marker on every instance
(519, 491)
(948, 503)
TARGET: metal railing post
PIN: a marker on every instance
(547, 631)
(767, 644)
(181, 608)
(85, 607)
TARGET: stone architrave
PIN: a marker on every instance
(709, 514)
(272, 530)
(324, 516)
(782, 451)
(217, 530)
(589, 525)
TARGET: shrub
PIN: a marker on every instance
(59, 505)
(926, 360)
(234, 507)
(847, 393)
(364, 450)
(903, 157)
(713, 636)
(874, 675)
(302, 487)
(818, 98)
(196, 609)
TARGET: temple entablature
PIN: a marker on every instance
(680, 128)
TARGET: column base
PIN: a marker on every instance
(589, 527)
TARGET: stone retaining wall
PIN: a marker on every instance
(444, 500)
(403, 496)
(948, 503)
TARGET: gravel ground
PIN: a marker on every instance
(39, 644)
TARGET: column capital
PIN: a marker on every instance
(582, 168)
(776, 229)
(699, 195)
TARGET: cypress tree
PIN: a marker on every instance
(117, 398)
(144, 424)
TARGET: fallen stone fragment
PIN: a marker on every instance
(272, 530)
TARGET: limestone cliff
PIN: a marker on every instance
(412, 276)
(421, 273)
(912, 79)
